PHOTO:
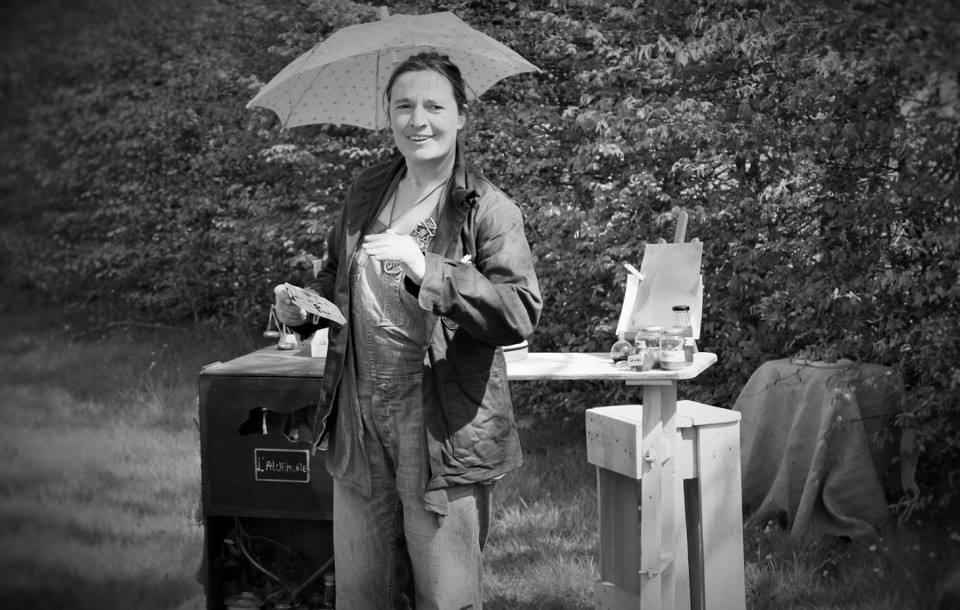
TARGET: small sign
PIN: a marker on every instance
(282, 465)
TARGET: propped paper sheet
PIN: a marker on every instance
(671, 276)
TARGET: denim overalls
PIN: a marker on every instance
(391, 333)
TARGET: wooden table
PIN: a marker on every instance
(654, 574)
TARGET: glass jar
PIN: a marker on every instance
(621, 350)
(672, 357)
(646, 353)
(681, 316)
(329, 590)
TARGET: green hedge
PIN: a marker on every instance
(814, 146)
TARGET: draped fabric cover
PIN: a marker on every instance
(818, 445)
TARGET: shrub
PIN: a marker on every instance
(814, 146)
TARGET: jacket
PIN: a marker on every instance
(483, 302)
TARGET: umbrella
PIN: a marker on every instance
(342, 79)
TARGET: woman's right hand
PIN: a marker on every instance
(287, 312)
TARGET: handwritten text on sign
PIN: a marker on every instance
(282, 465)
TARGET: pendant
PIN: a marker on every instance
(424, 232)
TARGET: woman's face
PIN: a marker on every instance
(424, 116)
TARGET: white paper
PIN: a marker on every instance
(319, 343)
(671, 276)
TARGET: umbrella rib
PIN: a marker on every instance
(376, 90)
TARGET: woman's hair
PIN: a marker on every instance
(431, 61)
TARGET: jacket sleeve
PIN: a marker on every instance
(495, 296)
(326, 279)
(325, 282)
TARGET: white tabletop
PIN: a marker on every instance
(537, 365)
(574, 365)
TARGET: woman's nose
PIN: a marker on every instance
(417, 117)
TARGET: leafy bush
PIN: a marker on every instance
(814, 146)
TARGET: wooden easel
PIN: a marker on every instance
(641, 466)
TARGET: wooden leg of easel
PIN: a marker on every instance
(694, 544)
(659, 493)
(618, 498)
(682, 561)
(722, 514)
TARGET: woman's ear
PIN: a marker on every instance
(462, 120)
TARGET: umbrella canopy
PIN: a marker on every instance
(342, 79)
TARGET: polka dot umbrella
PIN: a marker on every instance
(342, 79)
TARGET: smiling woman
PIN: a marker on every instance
(426, 115)
(427, 111)
(430, 267)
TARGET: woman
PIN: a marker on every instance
(429, 264)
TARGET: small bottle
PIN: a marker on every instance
(681, 315)
(672, 356)
(621, 350)
(329, 590)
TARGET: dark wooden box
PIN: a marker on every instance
(244, 471)
(267, 486)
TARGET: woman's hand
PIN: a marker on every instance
(390, 245)
(287, 312)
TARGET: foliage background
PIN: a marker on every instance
(814, 144)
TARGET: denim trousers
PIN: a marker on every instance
(380, 540)
(377, 540)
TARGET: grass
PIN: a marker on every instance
(543, 541)
(100, 475)
(100, 468)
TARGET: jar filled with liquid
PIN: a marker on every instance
(672, 356)
(621, 350)
(646, 353)
(681, 316)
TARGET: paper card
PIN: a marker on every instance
(671, 276)
(311, 302)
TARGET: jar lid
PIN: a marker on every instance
(651, 329)
(676, 330)
(681, 308)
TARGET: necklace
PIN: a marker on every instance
(393, 203)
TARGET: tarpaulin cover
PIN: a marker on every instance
(818, 443)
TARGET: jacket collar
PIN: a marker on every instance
(382, 175)
(461, 195)
(464, 190)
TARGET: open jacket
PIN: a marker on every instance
(486, 301)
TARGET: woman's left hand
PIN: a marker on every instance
(390, 245)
